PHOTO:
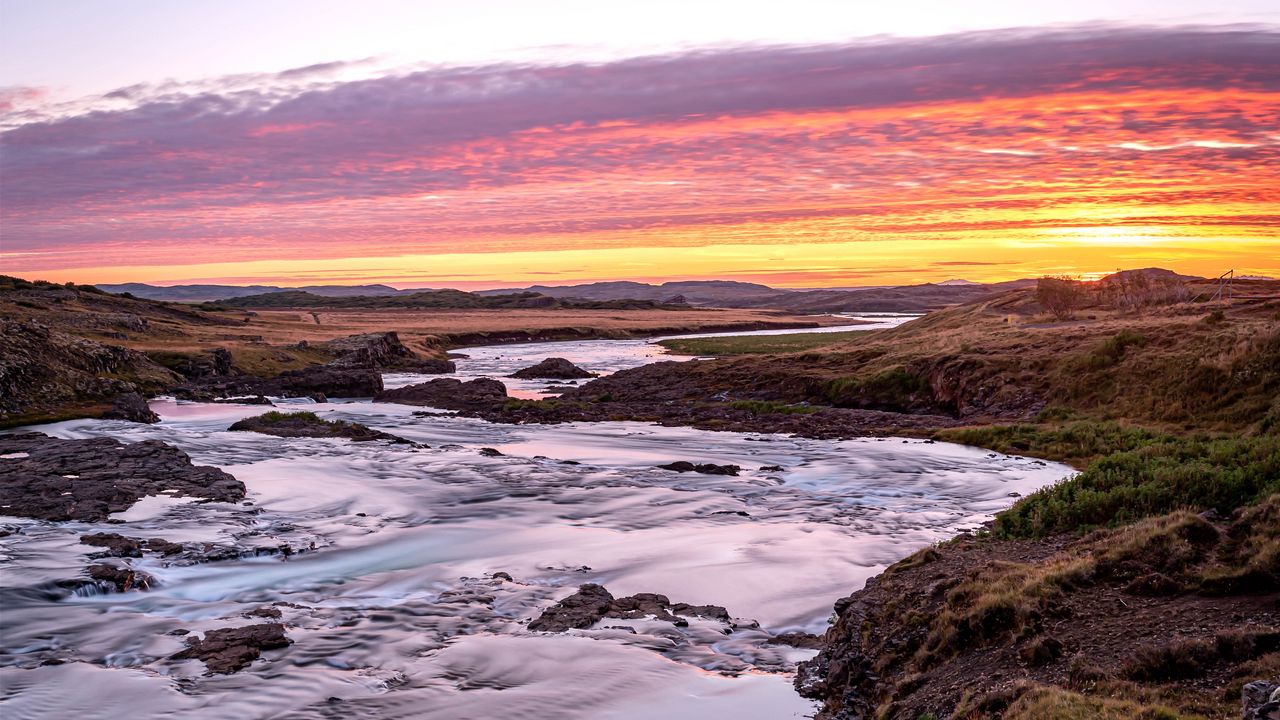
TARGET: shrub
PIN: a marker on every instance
(1059, 295)
(1166, 475)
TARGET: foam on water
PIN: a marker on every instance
(394, 613)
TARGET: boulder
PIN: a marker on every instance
(131, 406)
(305, 424)
(88, 480)
(227, 650)
(115, 543)
(552, 369)
(120, 579)
(384, 351)
(1261, 700)
(332, 380)
(448, 393)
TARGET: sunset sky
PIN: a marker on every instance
(798, 144)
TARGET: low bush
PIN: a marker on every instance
(1165, 475)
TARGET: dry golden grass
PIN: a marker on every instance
(431, 330)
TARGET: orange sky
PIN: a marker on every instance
(990, 159)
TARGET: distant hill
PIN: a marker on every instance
(729, 293)
(626, 294)
(213, 293)
(723, 293)
(433, 299)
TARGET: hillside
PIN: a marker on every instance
(1007, 359)
(212, 293)
(455, 299)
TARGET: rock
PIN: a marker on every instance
(227, 650)
(319, 397)
(122, 579)
(711, 612)
(772, 468)
(116, 544)
(683, 466)
(490, 452)
(802, 640)
(46, 373)
(592, 603)
(580, 610)
(448, 393)
(164, 547)
(641, 605)
(552, 368)
(331, 380)
(90, 479)
(383, 351)
(502, 576)
(131, 406)
(305, 424)
(265, 612)
(1260, 700)
(430, 366)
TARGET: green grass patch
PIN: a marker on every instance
(1159, 476)
(758, 344)
(764, 407)
(895, 389)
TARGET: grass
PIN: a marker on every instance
(1165, 474)
(764, 407)
(1078, 443)
(757, 344)
(1050, 703)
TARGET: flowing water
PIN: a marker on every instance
(394, 613)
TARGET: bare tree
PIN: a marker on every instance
(1060, 295)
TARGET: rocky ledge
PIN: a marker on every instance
(449, 394)
(50, 479)
(306, 424)
(1177, 608)
(552, 369)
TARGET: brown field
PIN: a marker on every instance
(431, 331)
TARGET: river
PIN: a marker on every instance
(395, 613)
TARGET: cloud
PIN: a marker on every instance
(954, 134)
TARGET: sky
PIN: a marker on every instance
(799, 144)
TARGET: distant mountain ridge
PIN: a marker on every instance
(212, 293)
(920, 298)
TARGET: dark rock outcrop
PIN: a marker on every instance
(120, 578)
(383, 351)
(90, 479)
(115, 543)
(592, 603)
(332, 380)
(449, 393)
(552, 369)
(578, 611)
(1261, 700)
(131, 406)
(802, 640)
(683, 466)
(45, 373)
(305, 424)
(227, 650)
